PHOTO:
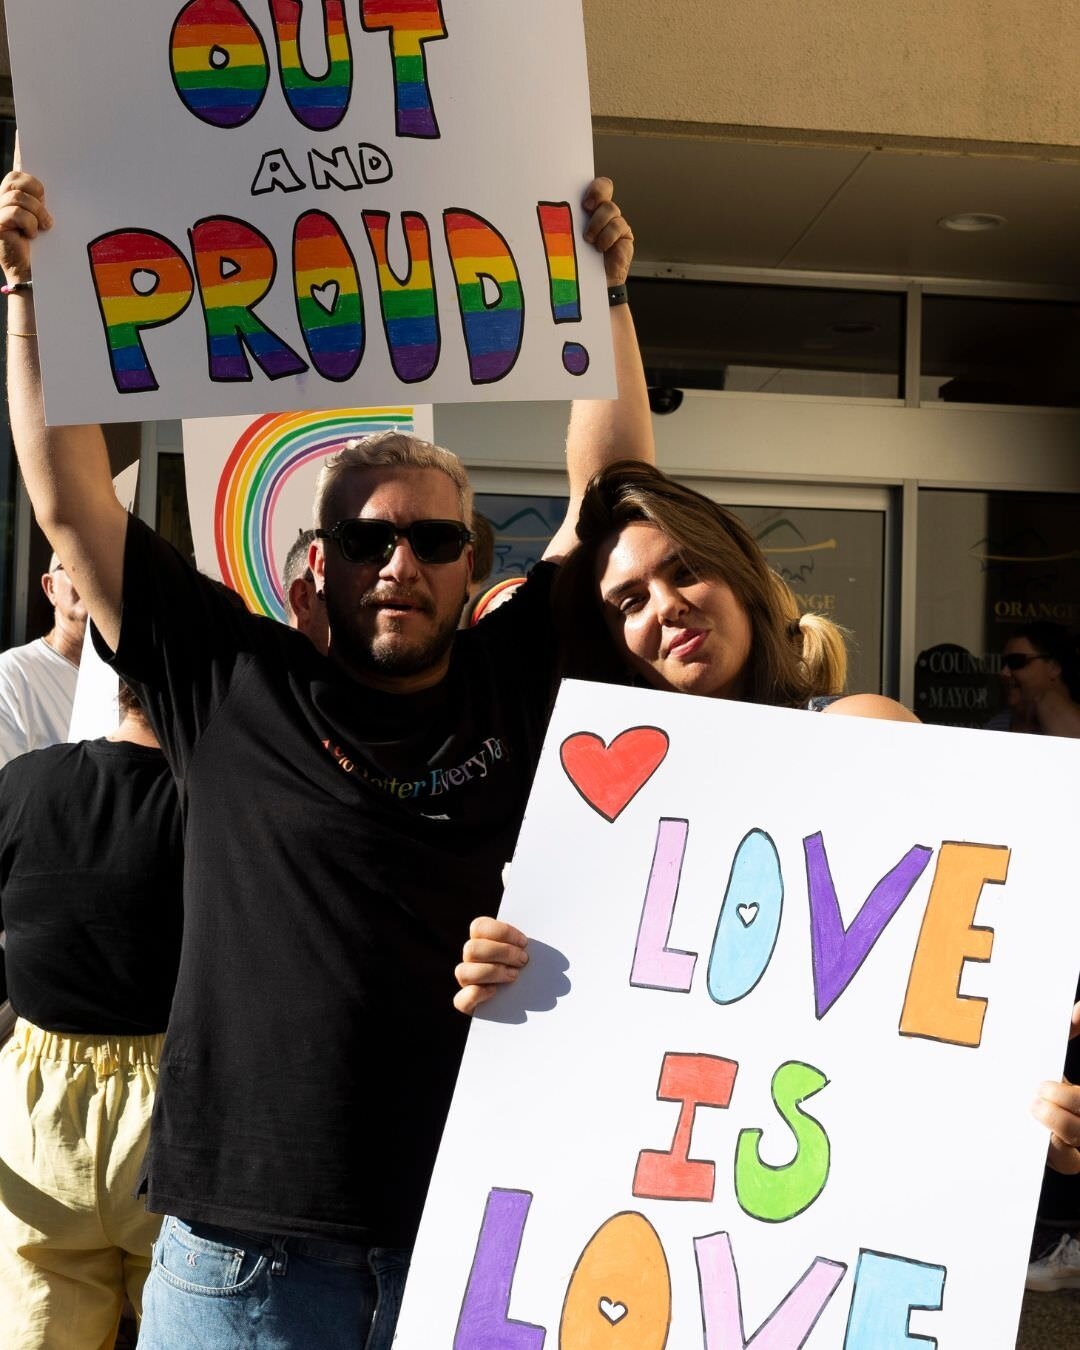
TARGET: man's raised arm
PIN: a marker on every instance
(604, 430)
(65, 469)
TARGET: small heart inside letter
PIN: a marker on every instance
(614, 1312)
(748, 913)
(610, 776)
(326, 297)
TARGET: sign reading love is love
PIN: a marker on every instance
(765, 1079)
(277, 205)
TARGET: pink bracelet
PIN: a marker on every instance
(15, 287)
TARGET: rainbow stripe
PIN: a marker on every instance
(235, 266)
(557, 230)
(560, 250)
(318, 102)
(328, 299)
(409, 310)
(411, 24)
(493, 328)
(219, 63)
(270, 451)
(141, 281)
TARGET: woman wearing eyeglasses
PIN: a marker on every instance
(1040, 676)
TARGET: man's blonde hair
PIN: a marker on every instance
(387, 449)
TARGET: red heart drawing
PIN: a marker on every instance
(610, 776)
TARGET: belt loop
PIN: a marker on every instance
(279, 1257)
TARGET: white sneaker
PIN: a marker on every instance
(1058, 1269)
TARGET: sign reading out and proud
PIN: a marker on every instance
(793, 982)
(274, 205)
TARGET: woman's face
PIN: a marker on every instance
(675, 630)
(1027, 684)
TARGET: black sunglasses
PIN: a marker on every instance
(374, 541)
(1018, 660)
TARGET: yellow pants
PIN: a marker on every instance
(74, 1121)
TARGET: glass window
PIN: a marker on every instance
(834, 562)
(523, 527)
(1000, 351)
(989, 562)
(770, 339)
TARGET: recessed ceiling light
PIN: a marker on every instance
(971, 222)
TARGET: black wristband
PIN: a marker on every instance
(616, 295)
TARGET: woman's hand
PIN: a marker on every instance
(1058, 1107)
(608, 230)
(22, 214)
(493, 955)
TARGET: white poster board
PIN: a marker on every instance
(278, 206)
(251, 483)
(759, 1084)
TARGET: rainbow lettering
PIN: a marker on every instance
(318, 102)
(235, 266)
(218, 62)
(270, 451)
(329, 304)
(141, 281)
(493, 323)
(410, 314)
(557, 231)
(411, 24)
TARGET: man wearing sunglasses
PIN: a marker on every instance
(345, 818)
(1040, 680)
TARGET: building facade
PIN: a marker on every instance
(858, 294)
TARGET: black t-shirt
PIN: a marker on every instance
(338, 842)
(91, 876)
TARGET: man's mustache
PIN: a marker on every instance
(409, 599)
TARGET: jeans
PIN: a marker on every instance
(216, 1289)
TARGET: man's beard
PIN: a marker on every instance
(384, 654)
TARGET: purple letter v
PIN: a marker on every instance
(839, 951)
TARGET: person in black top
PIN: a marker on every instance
(91, 864)
(346, 816)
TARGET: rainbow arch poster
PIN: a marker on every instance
(251, 481)
(276, 205)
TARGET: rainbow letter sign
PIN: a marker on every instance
(765, 1080)
(286, 205)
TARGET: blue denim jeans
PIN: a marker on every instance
(217, 1289)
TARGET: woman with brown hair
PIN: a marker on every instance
(668, 589)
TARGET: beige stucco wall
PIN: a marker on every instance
(977, 70)
(974, 70)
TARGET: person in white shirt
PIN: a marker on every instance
(37, 681)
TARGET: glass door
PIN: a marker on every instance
(831, 546)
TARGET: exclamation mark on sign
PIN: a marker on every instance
(557, 228)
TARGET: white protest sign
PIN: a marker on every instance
(794, 981)
(273, 206)
(251, 483)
